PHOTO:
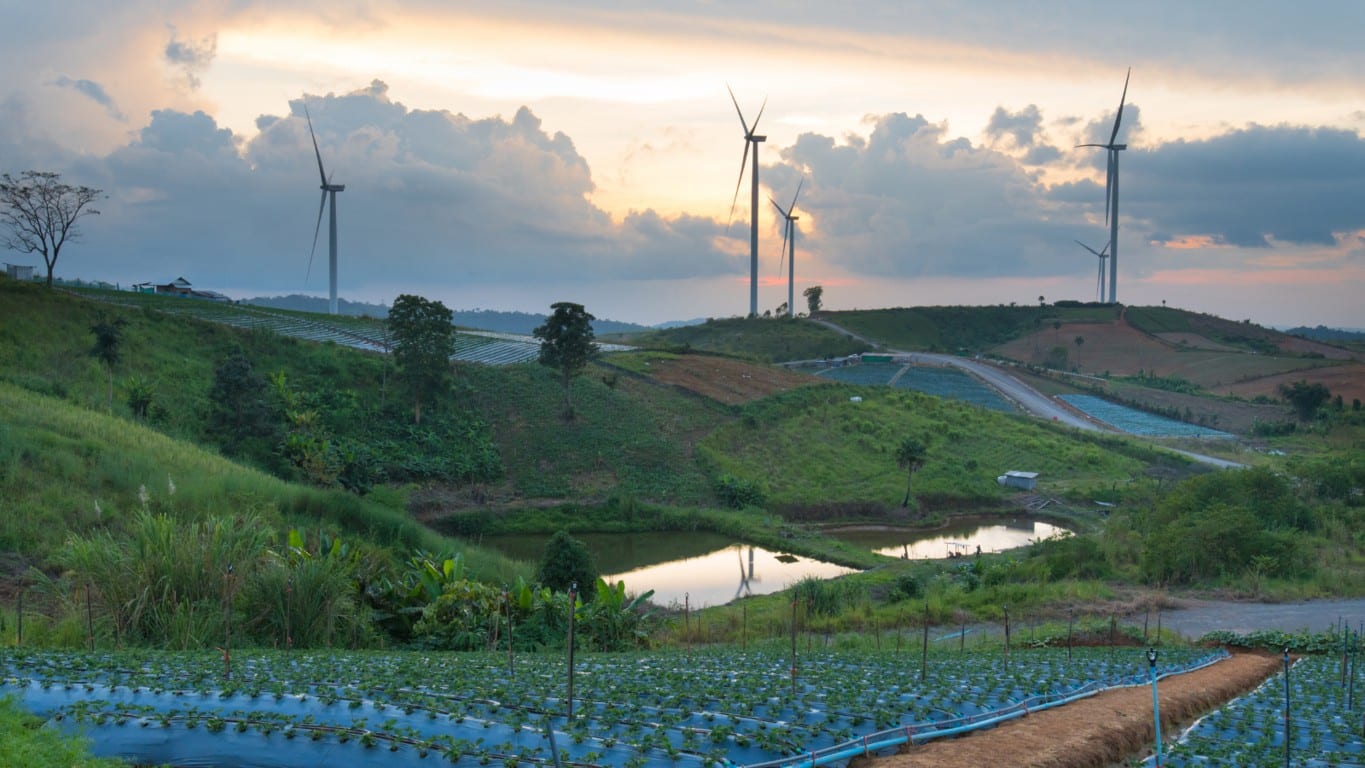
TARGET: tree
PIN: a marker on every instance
(423, 339)
(567, 561)
(108, 347)
(910, 456)
(566, 344)
(814, 295)
(40, 213)
(241, 416)
(1306, 398)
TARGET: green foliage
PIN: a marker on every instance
(567, 345)
(1219, 524)
(1305, 398)
(165, 583)
(139, 392)
(464, 617)
(566, 562)
(611, 622)
(738, 493)
(423, 339)
(814, 298)
(25, 743)
(911, 454)
(242, 417)
(828, 597)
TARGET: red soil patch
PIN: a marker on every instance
(1345, 380)
(1099, 731)
(728, 381)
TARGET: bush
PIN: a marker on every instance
(567, 561)
(737, 493)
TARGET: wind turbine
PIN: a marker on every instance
(328, 190)
(1111, 192)
(789, 241)
(1099, 282)
(750, 138)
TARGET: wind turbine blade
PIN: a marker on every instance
(321, 173)
(1102, 254)
(799, 184)
(1108, 185)
(1113, 137)
(760, 114)
(743, 161)
(786, 230)
(742, 121)
(316, 229)
(1088, 248)
(785, 215)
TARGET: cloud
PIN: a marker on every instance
(432, 199)
(910, 201)
(1250, 187)
(93, 91)
(191, 57)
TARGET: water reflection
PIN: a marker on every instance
(958, 539)
(703, 568)
(718, 577)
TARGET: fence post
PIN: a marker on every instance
(1156, 702)
(89, 618)
(924, 652)
(1007, 636)
(795, 602)
(19, 639)
(573, 601)
(1070, 623)
(1286, 707)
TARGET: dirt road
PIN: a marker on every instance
(1100, 731)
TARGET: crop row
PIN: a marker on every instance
(628, 709)
(1137, 422)
(943, 382)
(1325, 723)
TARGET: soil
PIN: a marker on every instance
(732, 382)
(1099, 731)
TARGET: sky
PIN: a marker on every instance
(510, 155)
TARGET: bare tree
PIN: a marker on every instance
(39, 213)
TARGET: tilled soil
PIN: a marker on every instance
(1099, 731)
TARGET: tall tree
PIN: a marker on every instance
(241, 416)
(423, 339)
(108, 348)
(910, 456)
(1306, 398)
(39, 214)
(814, 295)
(567, 344)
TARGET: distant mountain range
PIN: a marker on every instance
(1323, 333)
(482, 319)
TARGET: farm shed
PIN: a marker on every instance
(1016, 479)
(19, 271)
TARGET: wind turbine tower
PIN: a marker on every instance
(789, 241)
(750, 138)
(1101, 255)
(1111, 192)
(329, 195)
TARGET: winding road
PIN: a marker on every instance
(1029, 400)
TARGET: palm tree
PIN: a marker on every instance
(910, 455)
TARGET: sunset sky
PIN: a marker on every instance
(509, 155)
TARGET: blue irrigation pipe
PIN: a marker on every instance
(1156, 702)
(840, 753)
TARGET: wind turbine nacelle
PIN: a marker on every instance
(757, 139)
(1118, 146)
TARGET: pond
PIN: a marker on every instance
(697, 567)
(710, 569)
(962, 536)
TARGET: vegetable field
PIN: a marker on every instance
(931, 380)
(1136, 422)
(1325, 724)
(675, 709)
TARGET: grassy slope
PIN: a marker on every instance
(814, 445)
(762, 340)
(954, 329)
(65, 469)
